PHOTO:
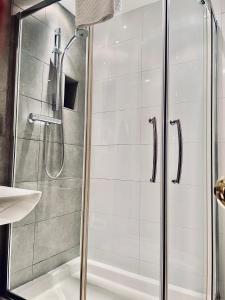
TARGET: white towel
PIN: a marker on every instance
(89, 12)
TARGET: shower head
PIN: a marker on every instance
(81, 33)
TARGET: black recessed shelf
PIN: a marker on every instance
(70, 92)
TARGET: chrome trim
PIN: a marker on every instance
(35, 8)
(215, 217)
(209, 5)
(58, 64)
(155, 148)
(87, 168)
(180, 152)
(164, 167)
(19, 24)
(43, 119)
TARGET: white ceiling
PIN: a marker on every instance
(127, 5)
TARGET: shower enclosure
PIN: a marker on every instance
(130, 117)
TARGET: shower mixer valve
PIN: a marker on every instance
(57, 51)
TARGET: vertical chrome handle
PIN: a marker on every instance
(180, 155)
(155, 148)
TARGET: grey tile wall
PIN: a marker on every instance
(5, 105)
(50, 235)
(27, 160)
(60, 197)
(53, 262)
(23, 241)
(31, 76)
(56, 235)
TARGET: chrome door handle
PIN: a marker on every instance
(155, 148)
(180, 155)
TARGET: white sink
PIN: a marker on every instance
(15, 204)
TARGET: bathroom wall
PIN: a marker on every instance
(124, 205)
(50, 235)
(5, 104)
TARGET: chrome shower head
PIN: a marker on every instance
(81, 33)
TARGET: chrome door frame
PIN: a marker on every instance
(211, 216)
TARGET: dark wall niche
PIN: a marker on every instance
(70, 93)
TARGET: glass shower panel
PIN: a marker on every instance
(50, 236)
(187, 150)
(124, 221)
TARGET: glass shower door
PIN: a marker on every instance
(49, 237)
(124, 218)
(187, 150)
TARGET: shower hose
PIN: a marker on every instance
(47, 128)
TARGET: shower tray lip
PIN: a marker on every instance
(16, 203)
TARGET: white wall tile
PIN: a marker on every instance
(124, 58)
(125, 237)
(115, 197)
(101, 67)
(126, 27)
(117, 93)
(149, 270)
(102, 33)
(222, 6)
(152, 19)
(186, 33)
(150, 202)
(186, 82)
(190, 241)
(186, 206)
(192, 118)
(149, 242)
(115, 162)
(151, 53)
(100, 231)
(217, 5)
(121, 127)
(152, 88)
